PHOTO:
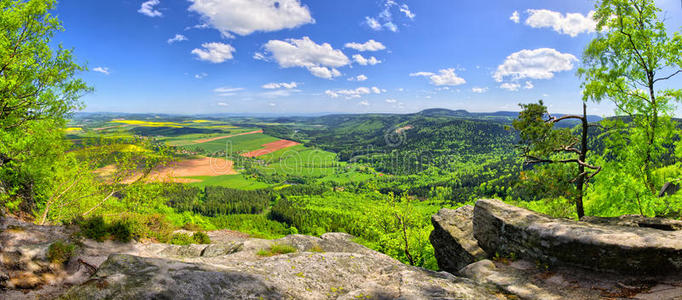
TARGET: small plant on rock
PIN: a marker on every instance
(201, 238)
(181, 239)
(60, 252)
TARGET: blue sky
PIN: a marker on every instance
(305, 56)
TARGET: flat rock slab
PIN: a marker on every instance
(453, 239)
(505, 229)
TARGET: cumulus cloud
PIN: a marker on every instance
(360, 77)
(177, 38)
(444, 77)
(365, 61)
(147, 8)
(352, 93)
(278, 85)
(570, 24)
(534, 64)
(244, 17)
(391, 100)
(479, 90)
(320, 59)
(364, 103)
(222, 104)
(370, 45)
(510, 86)
(529, 85)
(200, 75)
(214, 52)
(406, 10)
(515, 17)
(103, 70)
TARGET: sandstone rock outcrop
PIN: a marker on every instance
(505, 229)
(335, 271)
(453, 239)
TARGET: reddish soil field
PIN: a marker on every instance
(226, 136)
(205, 166)
(271, 147)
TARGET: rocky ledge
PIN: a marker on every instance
(329, 267)
(534, 256)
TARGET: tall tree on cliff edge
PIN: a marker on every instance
(628, 64)
(38, 89)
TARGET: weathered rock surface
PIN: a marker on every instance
(339, 272)
(453, 239)
(636, 221)
(505, 229)
(527, 280)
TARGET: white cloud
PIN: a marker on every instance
(214, 52)
(222, 104)
(226, 90)
(385, 16)
(391, 101)
(370, 45)
(376, 90)
(529, 85)
(321, 60)
(515, 17)
(360, 77)
(444, 77)
(570, 24)
(535, 64)
(244, 17)
(373, 23)
(510, 86)
(350, 94)
(364, 103)
(177, 38)
(277, 85)
(200, 75)
(406, 10)
(103, 70)
(479, 90)
(365, 61)
(147, 8)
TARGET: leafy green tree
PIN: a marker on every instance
(542, 143)
(626, 64)
(38, 89)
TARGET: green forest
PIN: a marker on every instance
(379, 177)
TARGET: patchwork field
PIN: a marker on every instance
(270, 147)
(205, 166)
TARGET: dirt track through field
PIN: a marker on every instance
(270, 147)
(225, 136)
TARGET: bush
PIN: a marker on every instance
(121, 232)
(201, 238)
(60, 252)
(181, 239)
(276, 249)
(192, 227)
(94, 228)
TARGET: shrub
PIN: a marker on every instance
(159, 228)
(201, 238)
(181, 239)
(192, 227)
(121, 232)
(276, 249)
(60, 252)
(94, 228)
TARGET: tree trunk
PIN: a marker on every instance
(581, 168)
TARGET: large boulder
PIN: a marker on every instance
(505, 229)
(453, 239)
